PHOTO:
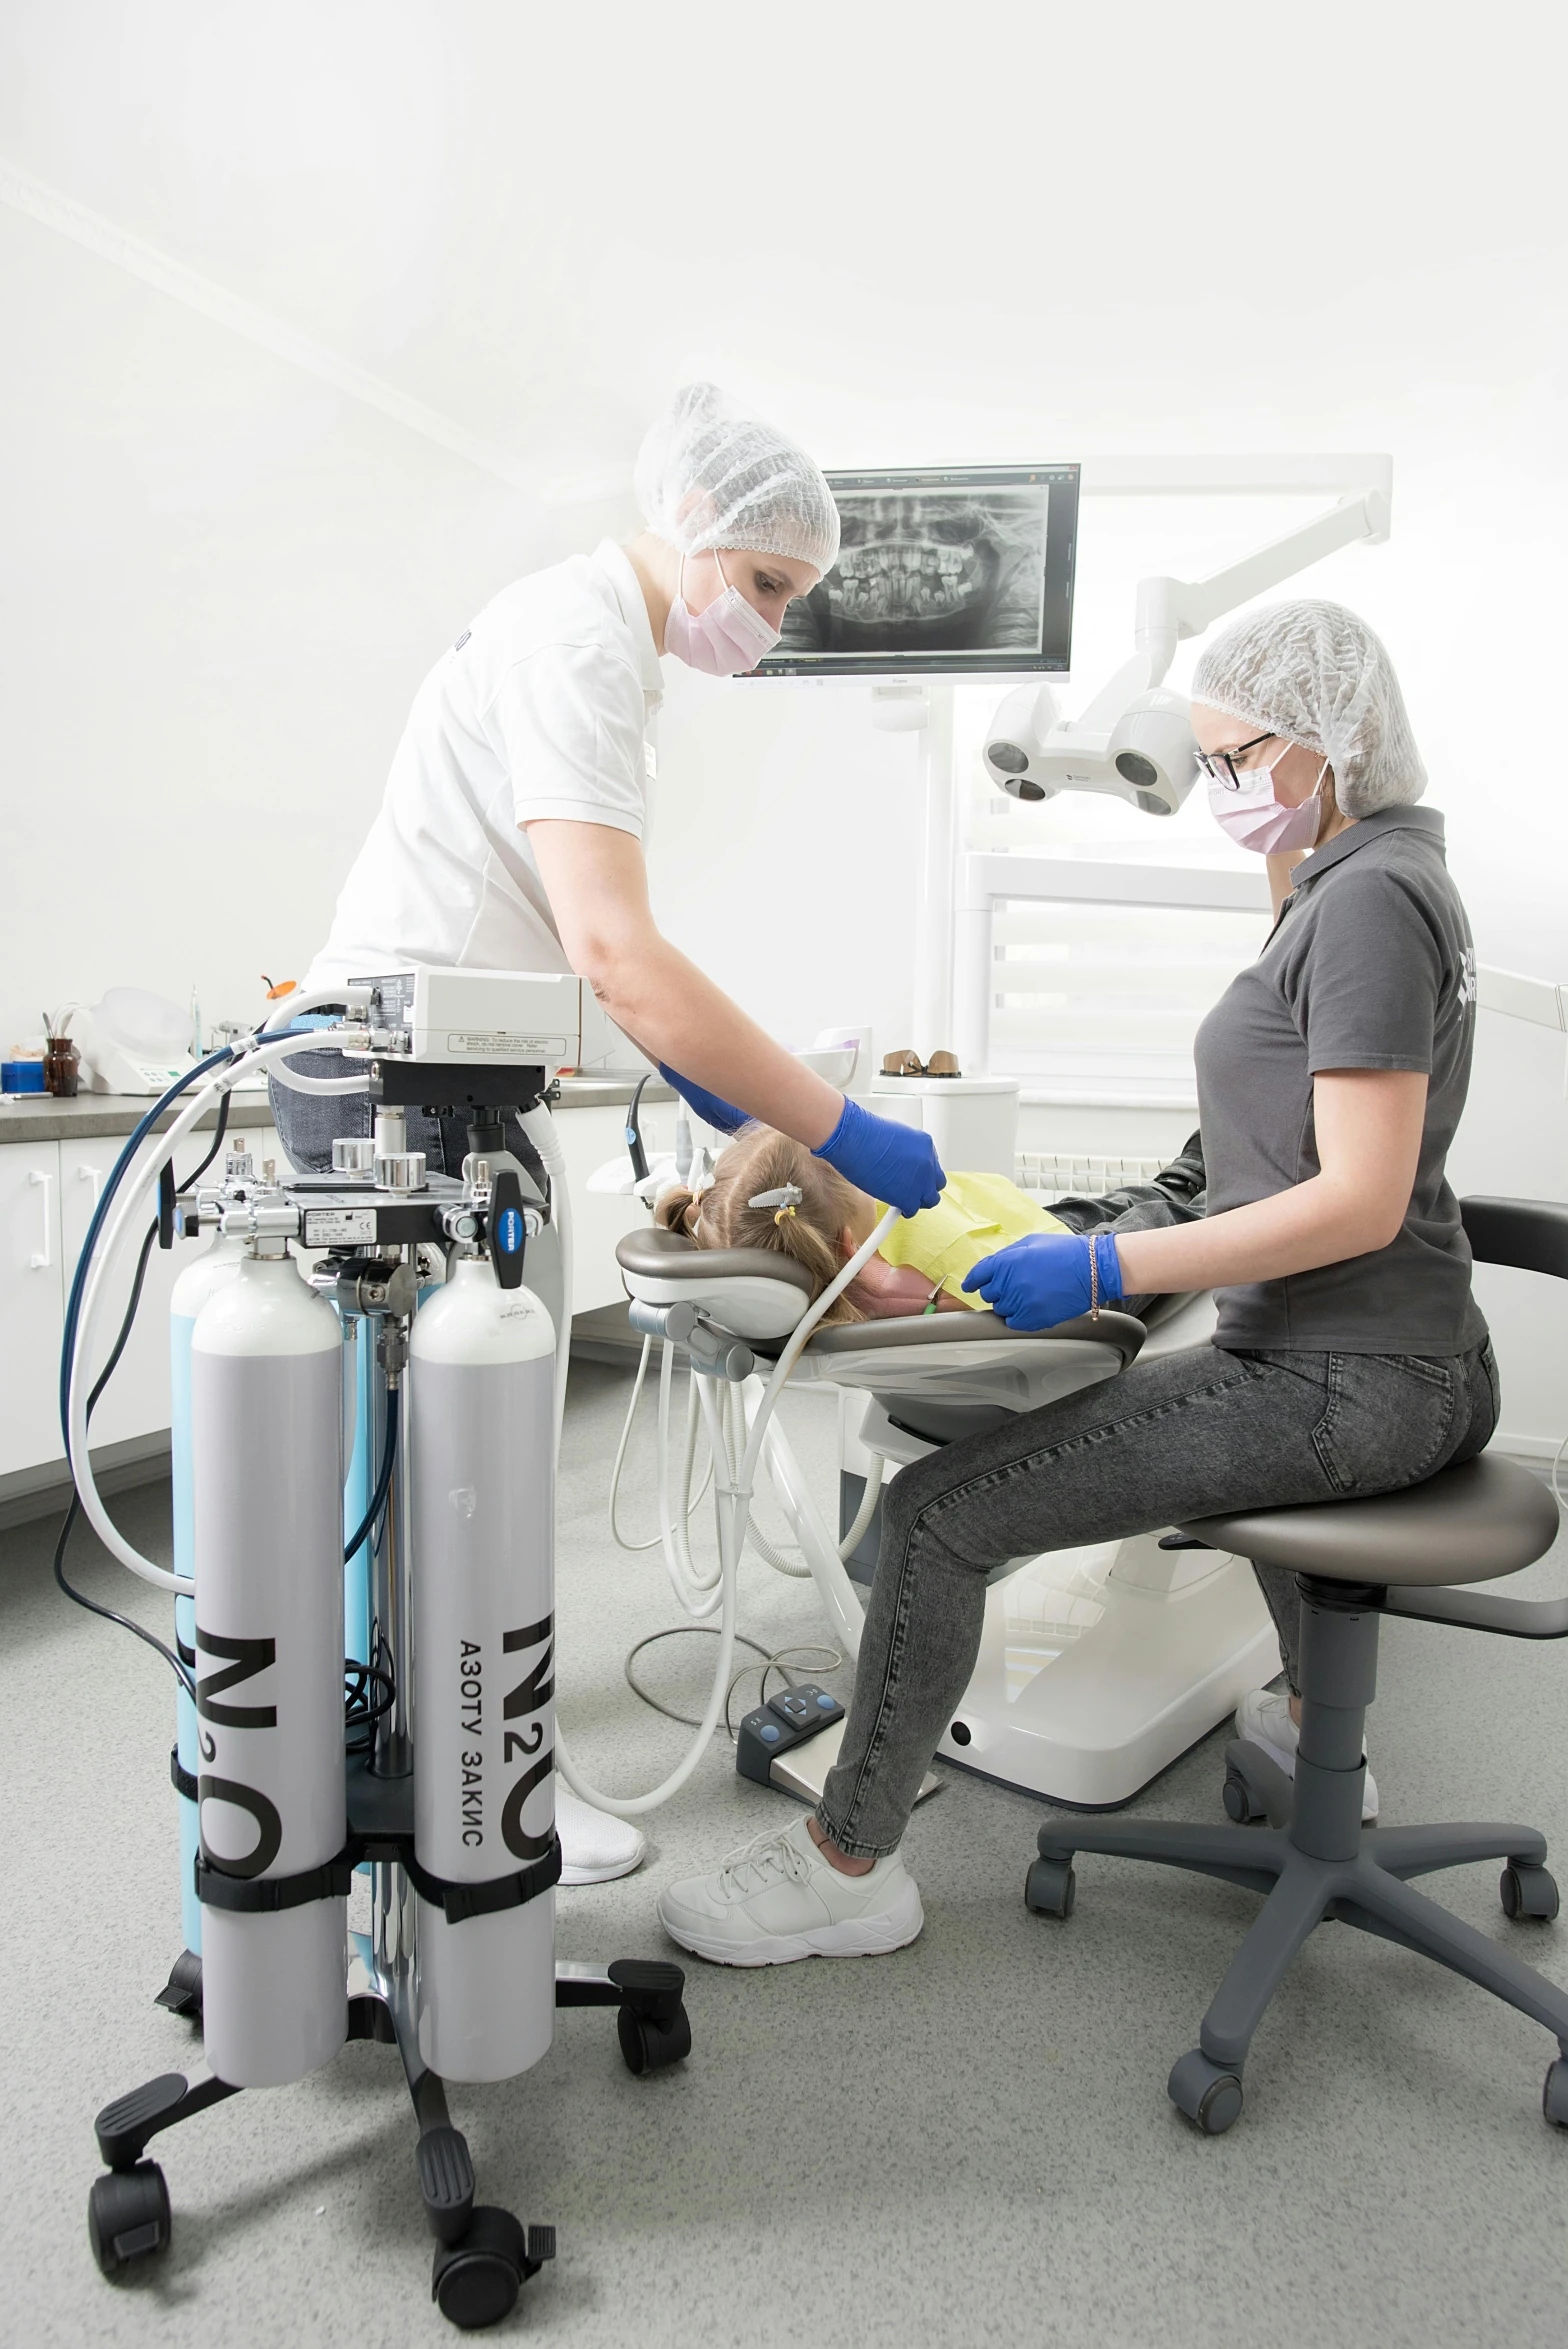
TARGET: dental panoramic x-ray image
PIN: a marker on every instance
(929, 571)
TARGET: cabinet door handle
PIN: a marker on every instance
(43, 1258)
(93, 1175)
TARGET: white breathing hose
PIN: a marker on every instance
(317, 999)
(654, 1540)
(105, 1255)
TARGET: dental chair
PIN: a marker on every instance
(1098, 1666)
(1406, 1553)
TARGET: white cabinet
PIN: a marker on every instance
(31, 1304)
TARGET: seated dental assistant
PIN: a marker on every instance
(511, 831)
(1349, 1357)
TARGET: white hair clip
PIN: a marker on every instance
(786, 1198)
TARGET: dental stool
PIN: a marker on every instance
(1399, 1554)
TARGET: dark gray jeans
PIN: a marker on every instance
(1183, 1437)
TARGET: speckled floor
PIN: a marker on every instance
(964, 2144)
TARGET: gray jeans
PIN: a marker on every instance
(1183, 1437)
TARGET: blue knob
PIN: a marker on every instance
(769, 1733)
(826, 1702)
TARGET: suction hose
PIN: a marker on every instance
(733, 1488)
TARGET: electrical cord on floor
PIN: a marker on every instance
(774, 1660)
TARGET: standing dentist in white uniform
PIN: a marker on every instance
(511, 833)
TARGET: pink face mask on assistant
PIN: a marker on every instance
(727, 638)
(1254, 818)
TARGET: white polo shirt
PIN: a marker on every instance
(538, 710)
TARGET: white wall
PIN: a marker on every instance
(914, 236)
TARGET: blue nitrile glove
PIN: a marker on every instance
(893, 1162)
(723, 1116)
(1035, 1283)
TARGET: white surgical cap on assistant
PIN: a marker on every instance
(1316, 674)
(708, 475)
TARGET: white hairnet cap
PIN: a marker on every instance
(709, 475)
(1316, 674)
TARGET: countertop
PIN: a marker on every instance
(37, 1117)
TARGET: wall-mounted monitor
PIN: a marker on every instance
(962, 571)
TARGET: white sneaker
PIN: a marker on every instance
(594, 1846)
(1263, 1719)
(777, 1899)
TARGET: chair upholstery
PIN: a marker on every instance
(1466, 1524)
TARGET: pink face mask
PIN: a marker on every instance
(729, 636)
(1254, 818)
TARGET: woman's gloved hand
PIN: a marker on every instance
(1047, 1278)
(894, 1162)
(723, 1116)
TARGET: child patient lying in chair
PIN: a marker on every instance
(921, 1264)
(769, 1192)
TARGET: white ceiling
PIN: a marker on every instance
(912, 231)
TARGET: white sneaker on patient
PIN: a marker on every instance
(594, 1846)
(1263, 1719)
(777, 1899)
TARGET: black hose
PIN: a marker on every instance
(383, 1481)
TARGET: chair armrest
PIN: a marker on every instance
(1529, 1233)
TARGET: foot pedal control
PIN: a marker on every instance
(779, 1727)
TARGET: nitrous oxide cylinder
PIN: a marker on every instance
(482, 1467)
(266, 1439)
(212, 1268)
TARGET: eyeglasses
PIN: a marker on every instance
(1220, 765)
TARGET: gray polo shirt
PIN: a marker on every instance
(1370, 965)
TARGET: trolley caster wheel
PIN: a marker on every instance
(1205, 2092)
(1528, 1892)
(128, 2217)
(1554, 2094)
(476, 2282)
(1050, 1888)
(649, 2045)
(1242, 1805)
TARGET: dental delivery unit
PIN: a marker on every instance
(421, 1749)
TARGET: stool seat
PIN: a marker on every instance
(1465, 1524)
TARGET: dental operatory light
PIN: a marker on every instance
(1139, 749)
(1135, 740)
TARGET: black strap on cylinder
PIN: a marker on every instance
(491, 1897)
(184, 1782)
(264, 1896)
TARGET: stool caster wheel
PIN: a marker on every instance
(1051, 1888)
(650, 2044)
(128, 2217)
(1528, 1892)
(1554, 2094)
(1242, 1805)
(476, 2282)
(1205, 2093)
